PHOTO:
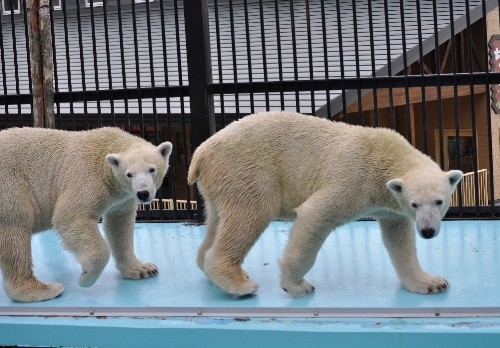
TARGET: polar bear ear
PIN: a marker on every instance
(165, 149)
(395, 185)
(454, 176)
(113, 159)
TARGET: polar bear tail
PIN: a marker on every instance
(193, 172)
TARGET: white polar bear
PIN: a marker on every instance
(322, 174)
(67, 181)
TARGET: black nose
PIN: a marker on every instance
(143, 195)
(428, 233)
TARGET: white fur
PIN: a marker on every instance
(68, 180)
(321, 174)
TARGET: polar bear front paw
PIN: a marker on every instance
(426, 284)
(297, 289)
(138, 269)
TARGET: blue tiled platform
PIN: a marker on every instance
(358, 300)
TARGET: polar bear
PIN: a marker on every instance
(68, 181)
(321, 174)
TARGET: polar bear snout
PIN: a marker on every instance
(428, 233)
(143, 196)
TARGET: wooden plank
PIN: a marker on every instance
(415, 93)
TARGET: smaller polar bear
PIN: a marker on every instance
(322, 174)
(67, 181)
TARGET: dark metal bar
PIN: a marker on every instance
(96, 67)
(356, 59)
(437, 63)
(108, 61)
(422, 86)
(372, 53)
(128, 126)
(137, 67)
(294, 54)
(233, 55)
(4, 74)
(325, 56)
(249, 53)
(341, 59)
(389, 62)
(219, 59)
(68, 66)
(199, 75)
(82, 59)
(264, 53)
(278, 50)
(405, 72)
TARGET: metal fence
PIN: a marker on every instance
(179, 70)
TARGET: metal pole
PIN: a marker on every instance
(199, 76)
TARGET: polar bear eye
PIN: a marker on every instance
(152, 170)
(129, 175)
(438, 202)
(414, 205)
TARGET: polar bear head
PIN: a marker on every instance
(425, 196)
(140, 170)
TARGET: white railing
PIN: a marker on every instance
(168, 204)
(469, 191)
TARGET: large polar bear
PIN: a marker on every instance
(322, 174)
(68, 180)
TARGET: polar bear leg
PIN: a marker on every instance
(80, 235)
(306, 238)
(17, 268)
(212, 221)
(398, 234)
(119, 226)
(236, 234)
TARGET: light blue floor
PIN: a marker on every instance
(356, 287)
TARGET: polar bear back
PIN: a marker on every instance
(282, 158)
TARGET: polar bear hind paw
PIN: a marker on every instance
(297, 289)
(35, 292)
(427, 285)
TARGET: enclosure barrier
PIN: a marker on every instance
(168, 204)
(468, 189)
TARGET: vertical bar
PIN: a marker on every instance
(356, 54)
(35, 60)
(372, 53)
(137, 68)
(278, 50)
(108, 63)
(264, 54)
(422, 86)
(4, 75)
(96, 67)
(19, 111)
(54, 60)
(438, 73)
(249, 54)
(82, 61)
(199, 75)
(325, 58)
(170, 178)
(488, 113)
(472, 106)
(68, 66)
(294, 55)
(309, 49)
(122, 60)
(389, 63)
(219, 62)
(455, 94)
(405, 64)
(233, 57)
(341, 59)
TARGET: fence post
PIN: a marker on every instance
(199, 76)
(40, 40)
